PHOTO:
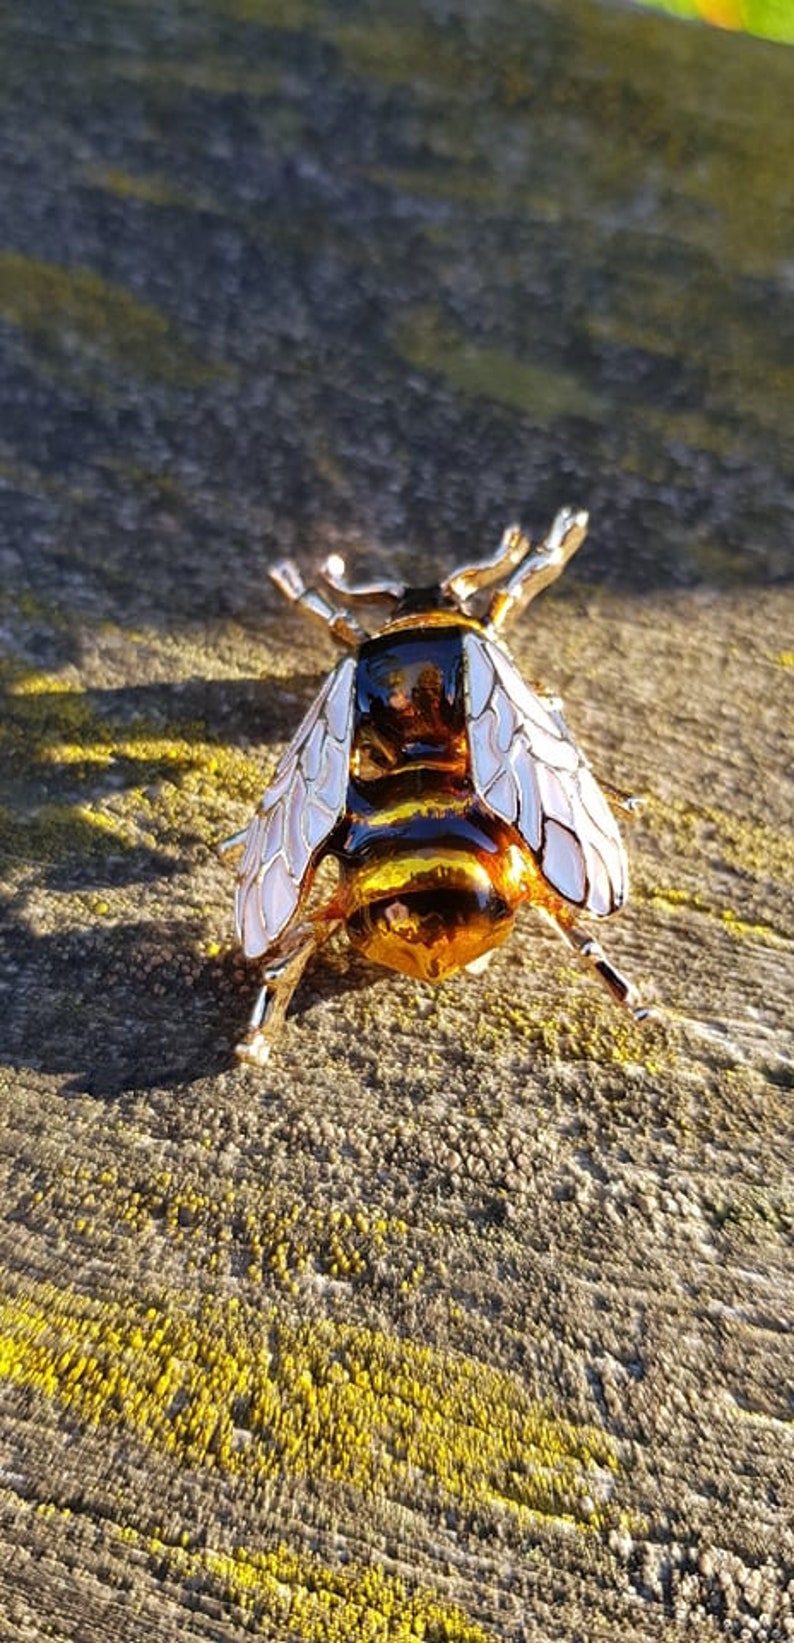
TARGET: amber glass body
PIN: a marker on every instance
(429, 880)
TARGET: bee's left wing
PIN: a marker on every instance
(528, 770)
(298, 813)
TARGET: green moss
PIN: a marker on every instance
(750, 385)
(56, 831)
(642, 83)
(74, 313)
(295, 16)
(540, 394)
(449, 182)
(404, 50)
(150, 190)
(23, 476)
(771, 19)
(759, 1213)
(212, 75)
(699, 433)
(142, 478)
(254, 1392)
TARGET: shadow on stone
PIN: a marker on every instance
(138, 1006)
(117, 1009)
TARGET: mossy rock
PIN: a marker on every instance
(466, 1318)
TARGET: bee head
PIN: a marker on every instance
(423, 602)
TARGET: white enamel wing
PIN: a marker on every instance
(528, 771)
(298, 812)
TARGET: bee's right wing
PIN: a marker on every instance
(297, 814)
(529, 771)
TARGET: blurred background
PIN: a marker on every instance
(273, 274)
(772, 19)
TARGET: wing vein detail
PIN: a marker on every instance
(528, 771)
(297, 814)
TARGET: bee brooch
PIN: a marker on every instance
(447, 791)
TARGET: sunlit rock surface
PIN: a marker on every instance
(468, 1318)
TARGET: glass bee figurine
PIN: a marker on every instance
(446, 790)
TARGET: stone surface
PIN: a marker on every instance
(469, 1318)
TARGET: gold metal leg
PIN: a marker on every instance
(282, 969)
(586, 947)
(543, 565)
(387, 594)
(232, 848)
(470, 579)
(632, 804)
(341, 623)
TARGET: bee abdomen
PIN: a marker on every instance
(428, 915)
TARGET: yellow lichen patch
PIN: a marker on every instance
(751, 846)
(582, 1026)
(284, 1591)
(688, 901)
(255, 1392)
(56, 746)
(534, 391)
(193, 781)
(745, 931)
(50, 684)
(57, 830)
(290, 1592)
(74, 312)
(242, 1227)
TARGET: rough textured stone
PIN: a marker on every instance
(470, 1317)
